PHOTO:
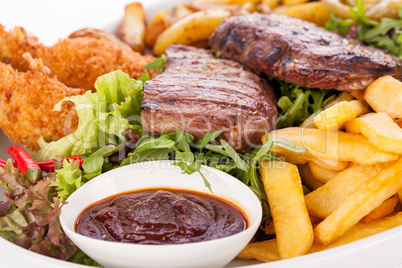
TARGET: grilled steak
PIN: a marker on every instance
(198, 93)
(302, 53)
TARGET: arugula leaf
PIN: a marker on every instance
(158, 63)
(386, 34)
(298, 103)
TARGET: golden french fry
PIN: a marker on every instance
(323, 201)
(361, 230)
(132, 27)
(358, 95)
(385, 95)
(308, 178)
(293, 228)
(264, 251)
(379, 129)
(193, 28)
(333, 146)
(320, 173)
(358, 204)
(157, 25)
(314, 12)
(334, 118)
(386, 208)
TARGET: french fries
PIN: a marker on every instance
(379, 129)
(193, 28)
(308, 178)
(158, 24)
(292, 222)
(314, 12)
(358, 204)
(385, 95)
(334, 118)
(323, 201)
(320, 173)
(264, 251)
(359, 231)
(132, 27)
(336, 146)
(386, 208)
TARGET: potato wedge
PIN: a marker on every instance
(334, 118)
(230, 2)
(385, 95)
(321, 174)
(308, 178)
(293, 228)
(294, 2)
(323, 201)
(157, 25)
(368, 196)
(386, 208)
(271, 3)
(191, 29)
(180, 12)
(362, 230)
(334, 146)
(132, 27)
(264, 251)
(314, 12)
(379, 129)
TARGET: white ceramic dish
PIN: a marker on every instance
(162, 174)
(54, 19)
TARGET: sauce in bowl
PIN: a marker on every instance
(161, 216)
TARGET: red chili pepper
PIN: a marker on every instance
(25, 163)
(48, 166)
(3, 163)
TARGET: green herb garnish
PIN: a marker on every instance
(158, 63)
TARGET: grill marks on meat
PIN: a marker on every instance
(302, 53)
(198, 93)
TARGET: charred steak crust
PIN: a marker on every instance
(302, 53)
(198, 93)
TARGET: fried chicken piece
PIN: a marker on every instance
(27, 101)
(76, 62)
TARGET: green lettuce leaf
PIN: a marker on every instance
(103, 116)
(68, 179)
(386, 34)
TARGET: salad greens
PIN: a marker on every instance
(386, 34)
(298, 103)
(109, 135)
(103, 116)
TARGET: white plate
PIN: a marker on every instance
(53, 19)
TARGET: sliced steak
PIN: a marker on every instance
(302, 53)
(198, 93)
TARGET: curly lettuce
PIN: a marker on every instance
(102, 117)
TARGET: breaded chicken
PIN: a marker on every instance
(76, 62)
(27, 101)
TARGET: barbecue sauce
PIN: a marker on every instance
(159, 217)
